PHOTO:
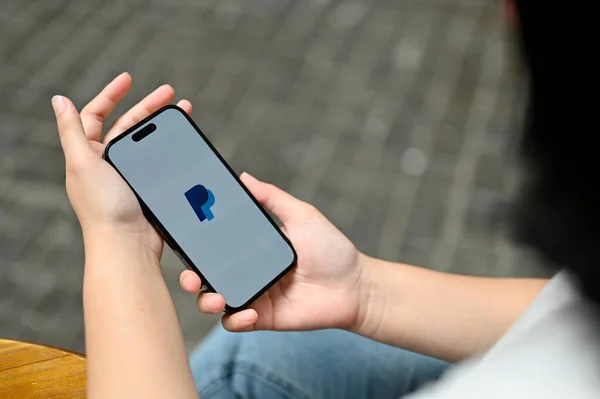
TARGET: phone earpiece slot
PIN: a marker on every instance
(143, 132)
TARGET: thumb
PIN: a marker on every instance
(72, 136)
(274, 199)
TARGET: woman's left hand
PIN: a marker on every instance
(103, 202)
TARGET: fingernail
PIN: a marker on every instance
(186, 283)
(246, 175)
(58, 103)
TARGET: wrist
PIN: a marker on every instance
(369, 304)
(105, 245)
(364, 293)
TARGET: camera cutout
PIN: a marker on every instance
(143, 132)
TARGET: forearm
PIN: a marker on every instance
(439, 314)
(133, 341)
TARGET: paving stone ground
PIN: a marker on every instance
(396, 118)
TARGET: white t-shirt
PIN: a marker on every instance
(552, 351)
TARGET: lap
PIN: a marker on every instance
(315, 364)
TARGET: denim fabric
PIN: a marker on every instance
(315, 364)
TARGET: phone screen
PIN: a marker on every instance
(202, 206)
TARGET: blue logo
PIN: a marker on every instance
(201, 199)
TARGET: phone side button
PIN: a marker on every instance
(170, 244)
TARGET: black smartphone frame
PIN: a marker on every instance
(179, 252)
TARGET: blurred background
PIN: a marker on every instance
(398, 119)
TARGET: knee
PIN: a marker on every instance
(229, 365)
(245, 380)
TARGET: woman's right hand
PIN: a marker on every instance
(325, 288)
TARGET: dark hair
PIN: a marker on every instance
(558, 207)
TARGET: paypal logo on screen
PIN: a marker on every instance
(201, 199)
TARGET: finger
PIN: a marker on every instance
(186, 106)
(241, 321)
(72, 137)
(211, 303)
(93, 114)
(274, 199)
(190, 281)
(97, 147)
(152, 102)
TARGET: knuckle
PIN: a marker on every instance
(110, 100)
(88, 113)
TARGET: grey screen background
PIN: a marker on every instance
(239, 251)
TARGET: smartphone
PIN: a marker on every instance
(200, 207)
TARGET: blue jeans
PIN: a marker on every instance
(316, 364)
